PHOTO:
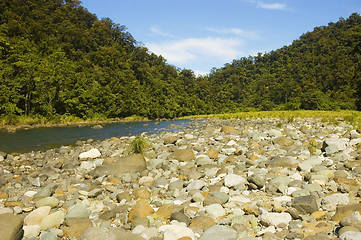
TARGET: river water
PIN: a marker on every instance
(45, 138)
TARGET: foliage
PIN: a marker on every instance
(138, 145)
(319, 71)
(59, 62)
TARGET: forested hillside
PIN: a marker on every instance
(321, 70)
(58, 59)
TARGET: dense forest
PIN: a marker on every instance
(57, 59)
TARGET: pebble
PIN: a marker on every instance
(219, 232)
(77, 211)
(222, 179)
(53, 220)
(36, 216)
(92, 153)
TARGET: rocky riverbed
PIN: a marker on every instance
(217, 179)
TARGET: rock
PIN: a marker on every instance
(202, 160)
(141, 193)
(351, 236)
(275, 219)
(160, 182)
(305, 204)
(130, 164)
(124, 196)
(140, 210)
(48, 236)
(354, 220)
(92, 153)
(219, 232)
(183, 155)
(318, 236)
(170, 140)
(44, 192)
(198, 197)
(31, 231)
(345, 210)
(47, 201)
(212, 153)
(4, 195)
(278, 161)
(77, 211)
(347, 229)
(333, 145)
(164, 212)
(11, 227)
(232, 180)
(179, 230)
(52, 220)
(215, 210)
(283, 141)
(36, 216)
(178, 184)
(97, 127)
(76, 226)
(195, 185)
(223, 196)
(102, 233)
(203, 222)
(258, 180)
(309, 163)
(228, 129)
(180, 217)
(330, 203)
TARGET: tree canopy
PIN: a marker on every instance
(56, 58)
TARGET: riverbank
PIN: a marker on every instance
(219, 179)
(24, 123)
(31, 123)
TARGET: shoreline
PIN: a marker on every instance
(352, 116)
(15, 128)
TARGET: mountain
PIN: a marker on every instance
(58, 59)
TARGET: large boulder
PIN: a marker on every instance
(183, 155)
(130, 164)
(333, 145)
(305, 204)
(102, 233)
(228, 129)
(141, 209)
(11, 227)
(345, 210)
(283, 141)
(219, 232)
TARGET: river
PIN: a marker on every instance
(45, 138)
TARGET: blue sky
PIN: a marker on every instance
(202, 34)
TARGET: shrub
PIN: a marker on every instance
(138, 145)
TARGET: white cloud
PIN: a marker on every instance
(158, 31)
(271, 6)
(188, 50)
(279, 6)
(200, 73)
(235, 31)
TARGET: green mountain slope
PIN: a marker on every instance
(56, 58)
(320, 70)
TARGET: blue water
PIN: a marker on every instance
(45, 138)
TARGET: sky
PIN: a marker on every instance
(203, 34)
